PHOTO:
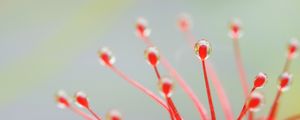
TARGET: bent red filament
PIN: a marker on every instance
(130, 80)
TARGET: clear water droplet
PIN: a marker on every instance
(166, 87)
(202, 49)
(106, 57)
(152, 55)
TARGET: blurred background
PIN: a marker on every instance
(48, 45)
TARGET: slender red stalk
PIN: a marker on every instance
(240, 67)
(210, 101)
(82, 101)
(287, 64)
(253, 89)
(294, 117)
(173, 111)
(215, 80)
(190, 38)
(94, 113)
(140, 87)
(244, 109)
(157, 73)
(275, 105)
(243, 112)
(254, 102)
(251, 115)
(172, 71)
(172, 106)
(83, 114)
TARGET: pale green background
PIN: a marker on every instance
(46, 45)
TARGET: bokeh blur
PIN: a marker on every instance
(48, 45)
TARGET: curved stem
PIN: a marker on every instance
(173, 107)
(140, 87)
(210, 101)
(94, 114)
(220, 92)
(190, 38)
(157, 73)
(242, 114)
(83, 114)
(287, 65)
(274, 107)
(171, 112)
(245, 103)
(251, 115)
(240, 67)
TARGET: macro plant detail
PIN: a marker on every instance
(254, 99)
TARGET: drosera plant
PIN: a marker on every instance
(254, 99)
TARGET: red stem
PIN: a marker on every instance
(215, 81)
(172, 71)
(190, 38)
(287, 64)
(245, 103)
(94, 114)
(220, 92)
(240, 67)
(140, 87)
(251, 115)
(157, 73)
(147, 41)
(275, 105)
(210, 101)
(171, 110)
(243, 112)
(173, 107)
(83, 114)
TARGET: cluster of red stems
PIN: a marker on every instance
(253, 99)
